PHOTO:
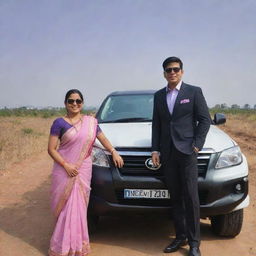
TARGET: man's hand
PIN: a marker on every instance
(155, 159)
(196, 149)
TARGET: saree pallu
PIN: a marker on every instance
(70, 195)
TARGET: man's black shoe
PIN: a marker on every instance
(175, 245)
(194, 251)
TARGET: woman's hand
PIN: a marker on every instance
(117, 159)
(71, 169)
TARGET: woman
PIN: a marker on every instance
(71, 177)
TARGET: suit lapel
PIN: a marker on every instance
(164, 101)
(180, 96)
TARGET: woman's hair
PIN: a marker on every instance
(72, 91)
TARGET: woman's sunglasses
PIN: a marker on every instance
(71, 101)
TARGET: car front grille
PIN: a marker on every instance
(203, 160)
(134, 164)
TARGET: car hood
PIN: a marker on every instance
(130, 135)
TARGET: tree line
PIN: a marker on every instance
(234, 106)
(42, 112)
(56, 111)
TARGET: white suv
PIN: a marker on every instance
(125, 118)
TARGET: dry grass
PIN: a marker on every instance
(21, 137)
(243, 130)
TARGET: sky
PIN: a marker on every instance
(99, 46)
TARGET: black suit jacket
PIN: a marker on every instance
(186, 127)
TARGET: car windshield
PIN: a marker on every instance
(126, 108)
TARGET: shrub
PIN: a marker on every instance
(27, 130)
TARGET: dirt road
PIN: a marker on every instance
(26, 222)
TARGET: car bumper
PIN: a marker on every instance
(217, 196)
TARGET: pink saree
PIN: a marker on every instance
(70, 195)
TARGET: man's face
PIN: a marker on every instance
(173, 73)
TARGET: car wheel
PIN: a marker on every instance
(93, 221)
(228, 225)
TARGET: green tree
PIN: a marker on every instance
(247, 106)
(235, 106)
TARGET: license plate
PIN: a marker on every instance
(147, 193)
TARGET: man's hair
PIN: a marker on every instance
(171, 60)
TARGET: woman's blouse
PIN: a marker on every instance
(60, 126)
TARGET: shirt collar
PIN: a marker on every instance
(176, 88)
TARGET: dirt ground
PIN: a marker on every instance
(26, 222)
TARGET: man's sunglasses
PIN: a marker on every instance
(71, 101)
(175, 70)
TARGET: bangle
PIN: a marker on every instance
(112, 150)
(63, 163)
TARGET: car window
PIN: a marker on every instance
(118, 108)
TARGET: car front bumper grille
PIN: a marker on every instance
(134, 164)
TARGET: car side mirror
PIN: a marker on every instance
(219, 118)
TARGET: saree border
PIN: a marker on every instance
(86, 249)
(89, 141)
(64, 197)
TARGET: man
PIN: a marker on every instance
(181, 121)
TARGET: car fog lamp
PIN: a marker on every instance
(238, 187)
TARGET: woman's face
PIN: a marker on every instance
(74, 104)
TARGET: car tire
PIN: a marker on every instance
(228, 225)
(92, 221)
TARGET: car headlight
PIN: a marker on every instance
(229, 157)
(99, 157)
